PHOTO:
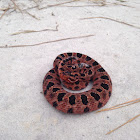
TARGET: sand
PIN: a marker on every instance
(24, 112)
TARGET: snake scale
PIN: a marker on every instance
(75, 71)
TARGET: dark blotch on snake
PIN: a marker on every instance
(62, 69)
(62, 55)
(76, 87)
(60, 96)
(49, 77)
(99, 105)
(49, 85)
(82, 74)
(109, 93)
(104, 77)
(89, 72)
(88, 58)
(59, 58)
(55, 104)
(45, 92)
(96, 96)
(72, 99)
(86, 109)
(101, 70)
(55, 89)
(79, 55)
(69, 54)
(95, 63)
(84, 99)
(77, 82)
(105, 86)
(70, 110)
(99, 90)
(52, 71)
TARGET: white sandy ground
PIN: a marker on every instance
(24, 112)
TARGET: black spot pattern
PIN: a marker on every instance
(69, 54)
(85, 71)
(55, 104)
(84, 99)
(52, 71)
(88, 58)
(95, 63)
(50, 85)
(86, 109)
(104, 77)
(101, 70)
(55, 89)
(96, 96)
(49, 77)
(89, 72)
(109, 93)
(79, 55)
(72, 99)
(99, 105)
(99, 90)
(70, 110)
(105, 86)
(60, 96)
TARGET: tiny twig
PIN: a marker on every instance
(16, 7)
(120, 105)
(4, 13)
(111, 20)
(56, 4)
(32, 15)
(32, 31)
(123, 124)
(47, 42)
(99, 5)
(120, 4)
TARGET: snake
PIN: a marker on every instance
(74, 71)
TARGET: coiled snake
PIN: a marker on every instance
(75, 71)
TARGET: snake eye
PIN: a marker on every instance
(73, 67)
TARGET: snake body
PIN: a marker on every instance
(75, 71)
